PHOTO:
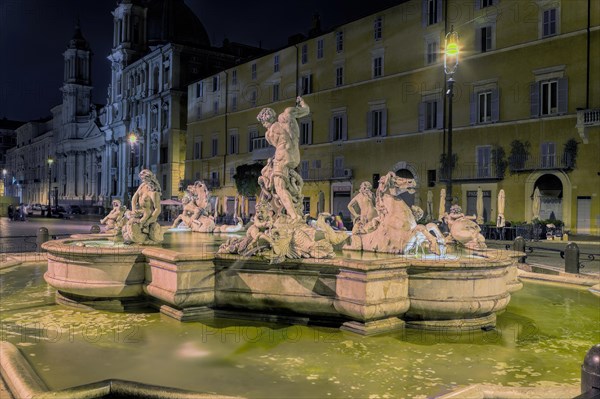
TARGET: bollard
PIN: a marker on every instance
(519, 246)
(572, 258)
(590, 371)
(95, 229)
(42, 237)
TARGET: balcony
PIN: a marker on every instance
(261, 150)
(324, 174)
(473, 172)
(548, 162)
(587, 118)
(212, 183)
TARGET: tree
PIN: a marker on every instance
(246, 179)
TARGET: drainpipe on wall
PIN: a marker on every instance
(226, 104)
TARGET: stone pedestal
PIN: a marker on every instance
(181, 285)
(374, 295)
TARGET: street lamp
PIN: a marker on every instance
(451, 52)
(50, 162)
(132, 141)
(4, 171)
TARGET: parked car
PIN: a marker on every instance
(58, 210)
(76, 210)
(36, 207)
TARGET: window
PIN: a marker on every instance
(253, 98)
(339, 41)
(338, 167)
(485, 39)
(377, 122)
(306, 84)
(199, 89)
(305, 131)
(431, 177)
(339, 76)
(304, 169)
(276, 92)
(375, 180)
(485, 104)
(233, 142)
(234, 102)
(432, 12)
(234, 77)
(484, 156)
(216, 107)
(216, 83)
(549, 23)
(252, 134)
(166, 75)
(549, 97)
(484, 107)
(431, 51)
(306, 205)
(549, 94)
(338, 129)
(198, 149)
(253, 71)
(276, 63)
(215, 147)
(548, 155)
(377, 67)
(378, 28)
(304, 54)
(484, 3)
(430, 115)
(320, 45)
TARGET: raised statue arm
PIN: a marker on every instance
(301, 109)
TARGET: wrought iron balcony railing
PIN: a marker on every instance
(544, 162)
(472, 171)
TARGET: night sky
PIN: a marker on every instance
(35, 33)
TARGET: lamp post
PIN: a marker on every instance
(450, 65)
(50, 162)
(132, 140)
(4, 171)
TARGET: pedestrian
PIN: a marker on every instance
(11, 212)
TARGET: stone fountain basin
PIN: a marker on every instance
(365, 293)
(95, 267)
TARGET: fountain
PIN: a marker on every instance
(393, 271)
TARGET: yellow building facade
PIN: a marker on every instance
(528, 75)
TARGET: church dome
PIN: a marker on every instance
(172, 21)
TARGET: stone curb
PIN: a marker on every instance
(574, 279)
(15, 259)
(24, 383)
(483, 391)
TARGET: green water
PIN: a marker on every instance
(540, 340)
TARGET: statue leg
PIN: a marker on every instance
(284, 197)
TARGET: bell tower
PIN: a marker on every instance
(129, 42)
(77, 81)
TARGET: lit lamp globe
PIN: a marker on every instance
(451, 53)
(132, 139)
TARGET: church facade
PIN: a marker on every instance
(159, 46)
